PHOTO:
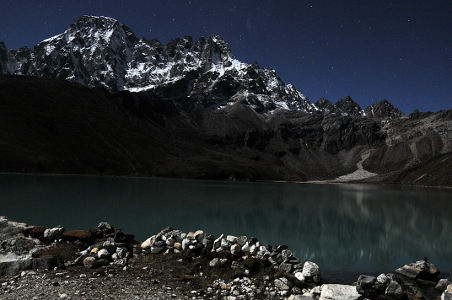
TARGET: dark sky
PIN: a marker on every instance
(397, 50)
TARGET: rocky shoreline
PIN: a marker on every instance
(105, 263)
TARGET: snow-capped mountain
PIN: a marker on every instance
(101, 52)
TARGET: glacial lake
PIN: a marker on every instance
(346, 227)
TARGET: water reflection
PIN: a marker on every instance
(349, 227)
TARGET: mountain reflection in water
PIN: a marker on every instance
(340, 227)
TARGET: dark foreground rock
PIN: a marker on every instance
(17, 249)
(105, 263)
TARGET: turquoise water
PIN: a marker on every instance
(338, 226)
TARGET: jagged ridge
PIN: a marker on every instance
(101, 52)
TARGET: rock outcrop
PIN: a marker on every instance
(18, 247)
(419, 270)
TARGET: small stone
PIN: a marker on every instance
(90, 262)
(217, 242)
(207, 241)
(160, 244)
(170, 241)
(286, 254)
(382, 278)
(157, 249)
(447, 294)
(316, 290)
(185, 243)
(242, 240)
(103, 261)
(236, 248)
(285, 267)
(149, 242)
(339, 292)
(237, 265)
(246, 247)
(199, 234)
(380, 287)
(109, 245)
(103, 253)
(121, 252)
(231, 239)
(283, 283)
(214, 262)
(310, 269)
(191, 235)
(52, 233)
(441, 285)
(366, 281)
(104, 226)
(121, 262)
(224, 244)
(394, 289)
(253, 249)
(299, 276)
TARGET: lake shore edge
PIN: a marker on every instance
(207, 267)
(364, 180)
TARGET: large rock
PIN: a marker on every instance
(13, 267)
(421, 269)
(339, 292)
(17, 248)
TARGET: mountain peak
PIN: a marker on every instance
(348, 106)
(96, 20)
(102, 52)
(104, 26)
(382, 109)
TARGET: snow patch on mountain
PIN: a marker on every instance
(101, 52)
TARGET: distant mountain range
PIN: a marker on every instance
(129, 106)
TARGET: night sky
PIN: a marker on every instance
(372, 50)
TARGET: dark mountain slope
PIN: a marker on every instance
(55, 126)
(437, 171)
